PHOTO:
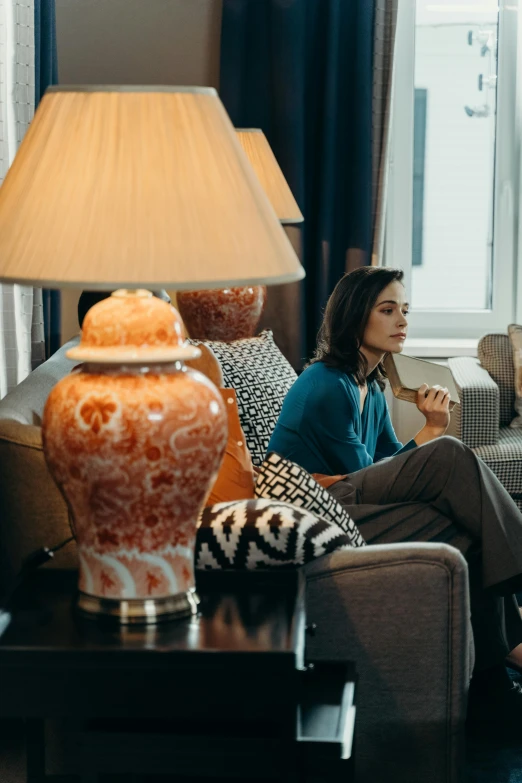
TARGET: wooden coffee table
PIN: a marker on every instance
(228, 694)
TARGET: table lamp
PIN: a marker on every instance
(233, 313)
(131, 188)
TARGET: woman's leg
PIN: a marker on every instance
(438, 492)
(449, 477)
(496, 622)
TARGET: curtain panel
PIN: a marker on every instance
(302, 71)
(46, 74)
(21, 323)
(385, 26)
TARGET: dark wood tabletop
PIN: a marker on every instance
(256, 622)
(232, 682)
(243, 612)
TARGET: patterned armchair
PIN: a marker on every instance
(487, 391)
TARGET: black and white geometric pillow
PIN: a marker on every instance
(261, 376)
(251, 534)
(281, 479)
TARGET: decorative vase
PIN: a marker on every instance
(134, 439)
(222, 313)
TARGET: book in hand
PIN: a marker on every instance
(406, 375)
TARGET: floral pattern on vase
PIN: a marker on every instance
(135, 450)
(224, 314)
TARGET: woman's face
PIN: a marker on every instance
(387, 325)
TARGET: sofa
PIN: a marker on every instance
(486, 388)
(401, 612)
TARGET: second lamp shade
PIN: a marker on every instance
(264, 163)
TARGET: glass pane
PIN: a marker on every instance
(454, 154)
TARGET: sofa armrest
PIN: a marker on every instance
(25, 403)
(32, 510)
(477, 418)
(401, 612)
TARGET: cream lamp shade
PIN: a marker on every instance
(264, 163)
(138, 187)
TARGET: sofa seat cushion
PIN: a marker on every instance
(505, 460)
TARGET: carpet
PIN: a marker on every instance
(490, 760)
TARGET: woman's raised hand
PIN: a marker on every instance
(433, 403)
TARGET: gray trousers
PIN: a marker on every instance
(442, 492)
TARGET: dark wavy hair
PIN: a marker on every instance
(344, 322)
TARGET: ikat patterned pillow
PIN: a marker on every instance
(261, 377)
(281, 479)
(252, 534)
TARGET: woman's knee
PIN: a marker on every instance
(448, 447)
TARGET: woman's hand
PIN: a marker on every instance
(434, 405)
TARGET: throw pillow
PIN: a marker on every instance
(281, 479)
(235, 480)
(515, 337)
(255, 534)
(261, 376)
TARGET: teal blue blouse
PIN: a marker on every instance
(321, 426)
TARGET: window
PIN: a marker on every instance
(451, 215)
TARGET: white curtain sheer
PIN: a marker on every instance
(21, 311)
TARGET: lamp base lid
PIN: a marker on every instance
(132, 354)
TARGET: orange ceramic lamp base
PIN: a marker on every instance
(134, 444)
(222, 313)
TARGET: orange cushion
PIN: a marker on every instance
(208, 364)
(235, 479)
(327, 481)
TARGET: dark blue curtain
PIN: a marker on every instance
(301, 70)
(46, 73)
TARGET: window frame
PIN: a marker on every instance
(399, 208)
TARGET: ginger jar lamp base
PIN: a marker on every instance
(223, 314)
(134, 439)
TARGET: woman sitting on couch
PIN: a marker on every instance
(335, 421)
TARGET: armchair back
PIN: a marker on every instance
(495, 355)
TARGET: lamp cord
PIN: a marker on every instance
(36, 559)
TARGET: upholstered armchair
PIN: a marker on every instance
(487, 391)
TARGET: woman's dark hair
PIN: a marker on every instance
(344, 322)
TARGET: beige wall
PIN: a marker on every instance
(135, 42)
